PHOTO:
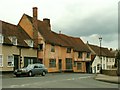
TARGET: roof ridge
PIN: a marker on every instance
(98, 46)
(69, 36)
(8, 23)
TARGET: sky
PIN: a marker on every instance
(87, 19)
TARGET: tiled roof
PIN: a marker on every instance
(104, 51)
(13, 30)
(76, 43)
(60, 39)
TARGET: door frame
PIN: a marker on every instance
(60, 64)
(16, 62)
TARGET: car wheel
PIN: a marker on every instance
(30, 74)
(43, 73)
(17, 75)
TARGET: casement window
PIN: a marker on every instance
(80, 54)
(13, 40)
(52, 63)
(1, 60)
(52, 48)
(10, 61)
(103, 66)
(68, 63)
(1, 39)
(98, 66)
(113, 60)
(79, 66)
(106, 59)
(29, 42)
(30, 61)
(88, 55)
(109, 59)
(40, 47)
(68, 50)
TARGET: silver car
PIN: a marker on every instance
(32, 70)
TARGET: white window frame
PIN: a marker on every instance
(29, 42)
(113, 60)
(1, 64)
(30, 61)
(12, 61)
(14, 40)
(103, 66)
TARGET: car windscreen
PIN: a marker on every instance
(30, 66)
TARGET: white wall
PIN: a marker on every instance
(107, 63)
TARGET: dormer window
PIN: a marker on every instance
(40, 47)
(80, 54)
(52, 48)
(88, 55)
(68, 50)
(1, 39)
(29, 42)
(13, 40)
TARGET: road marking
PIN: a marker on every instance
(14, 86)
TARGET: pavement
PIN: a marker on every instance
(107, 78)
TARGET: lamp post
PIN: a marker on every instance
(100, 39)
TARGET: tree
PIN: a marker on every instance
(117, 58)
(117, 62)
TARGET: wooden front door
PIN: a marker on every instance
(16, 62)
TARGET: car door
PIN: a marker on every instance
(36, 69)
(40, 69)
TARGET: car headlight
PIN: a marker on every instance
(24, 70)
(15, 70)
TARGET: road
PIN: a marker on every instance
(56, 80)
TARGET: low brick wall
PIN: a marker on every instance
(110, 72)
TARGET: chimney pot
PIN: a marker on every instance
(87, 42)
(110, 49)
(59, 32)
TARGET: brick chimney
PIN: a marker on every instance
(35, 25)
(35, 16)
(47, 22)
(111, 49)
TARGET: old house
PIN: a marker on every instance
(16, 47)
(57, 51)
(105, 59)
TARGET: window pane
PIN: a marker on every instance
(10, 60)
(40, 47)
(52, 48)
(79, 54)
(88, 55)
(14, 40)
(68, 50)
(52, 63)
(68, 63)
(79, 66)
(1, 63)
(1, 39)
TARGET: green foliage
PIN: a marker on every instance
(117, 58)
